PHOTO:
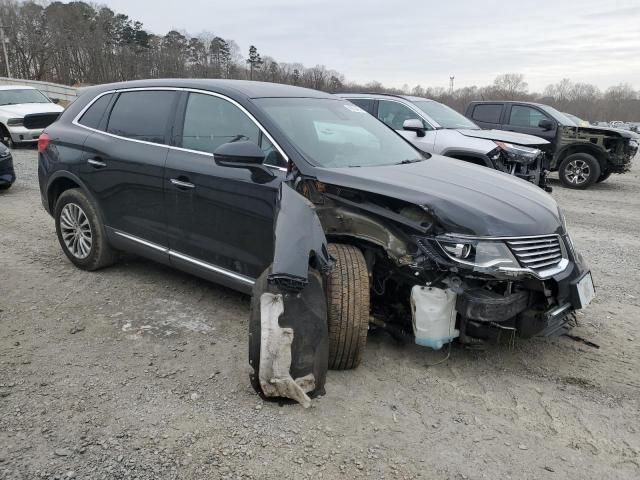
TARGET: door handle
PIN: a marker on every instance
(182, 184)
(95, 163)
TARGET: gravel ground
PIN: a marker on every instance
(140, 372)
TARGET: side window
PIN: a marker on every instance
(488, 113)
(523, 116)
(142, 115)
(211, 121)
(394, 114)
(364, 103)
(92, 117)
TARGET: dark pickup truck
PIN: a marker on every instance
(581, 155)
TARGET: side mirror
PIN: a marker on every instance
(238, 154)
(244, 154)
(545, 124)
(414, 125)
(55, 100)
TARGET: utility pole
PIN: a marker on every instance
(451, 78)
(4, 42)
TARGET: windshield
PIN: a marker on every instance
(444, 116)
(560, 117)
(23, 95)
(337, 133)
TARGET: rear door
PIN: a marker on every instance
(525, 118)
(220, 219)
(124, 163)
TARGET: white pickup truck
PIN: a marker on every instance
(24, 113)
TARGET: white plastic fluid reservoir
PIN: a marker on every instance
(434, 316)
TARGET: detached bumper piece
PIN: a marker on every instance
(487, 306)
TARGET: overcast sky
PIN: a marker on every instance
(423, 41)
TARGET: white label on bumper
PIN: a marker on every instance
(586, 292)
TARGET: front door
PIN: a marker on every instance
(525, 119)
(394, 114)
(220, 219)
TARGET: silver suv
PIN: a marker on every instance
(436, 128)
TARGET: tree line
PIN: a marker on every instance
(78, 43)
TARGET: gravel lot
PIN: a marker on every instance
(139, 372)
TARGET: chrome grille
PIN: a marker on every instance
(537, 253)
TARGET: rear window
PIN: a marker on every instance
(94, 114)
(142, 115)
(487, 113)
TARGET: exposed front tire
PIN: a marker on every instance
(81, 233)
(348, 306)
(579, 170)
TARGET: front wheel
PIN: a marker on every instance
(579, 170)
(348, 306)
(80, 231)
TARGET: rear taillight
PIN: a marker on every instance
(43, 142)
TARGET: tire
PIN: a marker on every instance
(347, 306)
(579, 171)
(603, 177)
(75, 216)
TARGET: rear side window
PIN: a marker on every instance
(489, 113)
(94, 114)
(211, 121)
(364, 103)
(142, 115)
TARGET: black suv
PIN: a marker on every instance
(581, 155)
(329, 218)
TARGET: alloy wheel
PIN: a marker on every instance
(76, 230)
(577, 172)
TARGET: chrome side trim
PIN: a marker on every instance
(213, 268)
(76, 120)
(223, 271)
(139, 240)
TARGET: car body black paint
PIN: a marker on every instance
(7, 173)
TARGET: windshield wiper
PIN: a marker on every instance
(411, 160)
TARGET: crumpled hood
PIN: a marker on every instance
(19, 111)
(465, 198)
(505, 136)
(607, 130)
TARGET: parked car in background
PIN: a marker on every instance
(24, 113)
(7, 174)
(582, 155)
(436, 128)
(329, 218)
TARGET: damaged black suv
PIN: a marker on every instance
(332, 221)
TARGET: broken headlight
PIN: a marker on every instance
(518, 153)
(484, 254)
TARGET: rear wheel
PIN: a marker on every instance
(80, 231)
(579, 170)
(348, 306)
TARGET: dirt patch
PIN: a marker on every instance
(140, 371)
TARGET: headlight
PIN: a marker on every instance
(518, 153)
(15, 122)
(485, 254)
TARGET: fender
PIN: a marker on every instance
(595, 150)
(288, 333)
(57, 175)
